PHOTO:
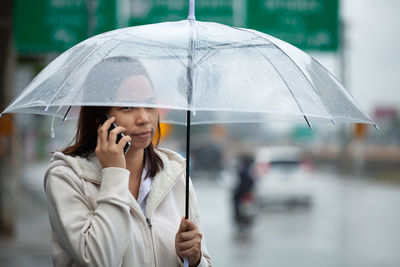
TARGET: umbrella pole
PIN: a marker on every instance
(189, 74)
(187, 163)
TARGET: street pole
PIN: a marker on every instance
(91, 8)
(8, 156)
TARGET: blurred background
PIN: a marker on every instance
(271, 194)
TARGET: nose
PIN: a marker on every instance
(142, 116)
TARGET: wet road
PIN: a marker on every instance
(353, 222)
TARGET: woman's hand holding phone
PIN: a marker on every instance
(108, 151)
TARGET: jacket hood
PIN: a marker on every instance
(90, 169)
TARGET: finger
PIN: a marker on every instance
(123, 141)
(103, 131)
(189, 252)
(182, 226)
(112, 137)
(98, 144)
(182, 246)
(191, 235)
(190, 225)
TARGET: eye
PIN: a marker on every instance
(126, 108)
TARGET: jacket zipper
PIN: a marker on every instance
(140, 214)
(152, 240)
(150, 226)
(148, 221)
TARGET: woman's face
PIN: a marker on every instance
(140, 122)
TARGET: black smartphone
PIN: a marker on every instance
(119, 136)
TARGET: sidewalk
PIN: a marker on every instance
(30, 245)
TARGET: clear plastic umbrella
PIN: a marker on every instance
(201, 72)
(220, 73)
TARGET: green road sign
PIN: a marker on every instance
(42, 26)
(307, 24)
(146, 12)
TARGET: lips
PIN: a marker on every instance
(145, 134)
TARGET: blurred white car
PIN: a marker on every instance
(284, 175)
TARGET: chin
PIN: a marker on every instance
(141, 145)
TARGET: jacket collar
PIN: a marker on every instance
(174, 167)
(85, 168)
(89, 169)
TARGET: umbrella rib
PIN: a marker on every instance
(152, 43)
(206, 57)
(298, 68)
(73, 70)
(311, 85)
(176, 58)
(157, 44)
(119, 42)
(288, 87)
(231, 45)
(162, 45)
(343, 91)
(308, 81)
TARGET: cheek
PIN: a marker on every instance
(154, 121)
(123, 123)
(122, 120)
(154, 117)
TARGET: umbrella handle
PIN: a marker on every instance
(185, 262)
(191, 10)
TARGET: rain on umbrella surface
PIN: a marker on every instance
(201, 72)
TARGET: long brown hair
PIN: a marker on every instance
(91, 117)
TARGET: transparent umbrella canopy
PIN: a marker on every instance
(220, 73)
(200, 72)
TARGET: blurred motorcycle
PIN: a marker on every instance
(244, 202)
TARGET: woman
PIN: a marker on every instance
(108, 208)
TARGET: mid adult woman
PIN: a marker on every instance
(108, 208)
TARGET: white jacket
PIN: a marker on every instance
(97, 222)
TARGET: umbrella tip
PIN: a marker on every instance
(191, 15)
(333, 121)
(308, 123)
(376, 127)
